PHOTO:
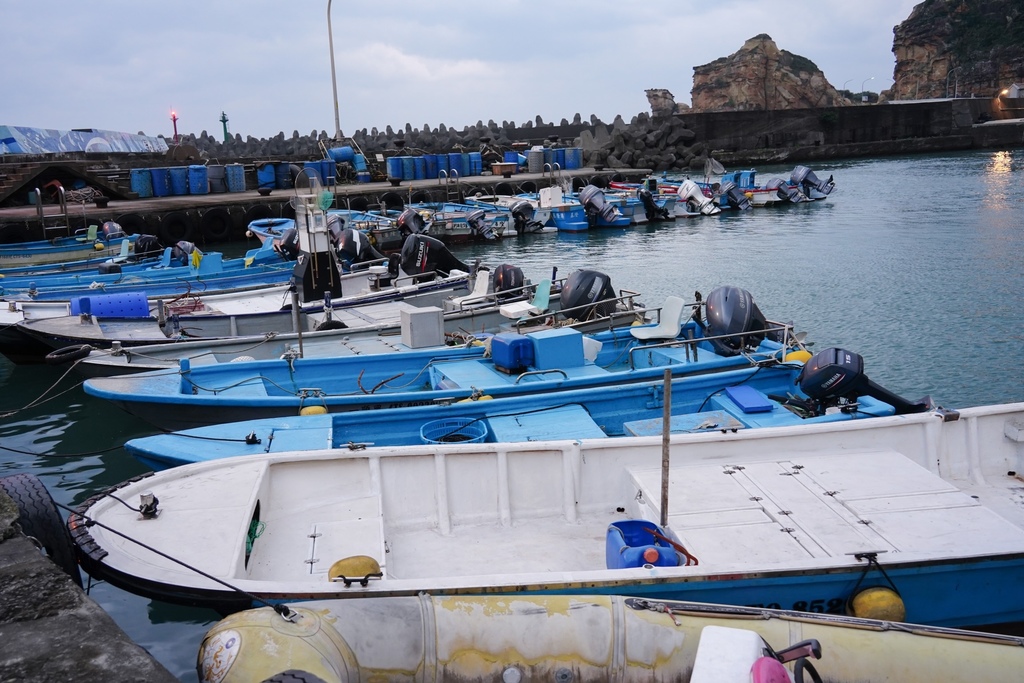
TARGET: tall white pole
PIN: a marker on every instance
(334, 77)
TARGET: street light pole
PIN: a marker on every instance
(948, 74)
(334, 77)
(863, 97)
(845, 82)
(174, 121)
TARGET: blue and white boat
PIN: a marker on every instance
(566, 214)
(101, 242)
(527, 216)
(911, 517)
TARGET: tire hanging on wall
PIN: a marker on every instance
(216, 225)
(134, 224)
(40, 519)
(175, 227)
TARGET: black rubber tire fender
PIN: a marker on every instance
(420, 197)
(40, 519)
(133, 224)
(216, 225)
(331, 325)
(175, 227)
(528, 186)
(392, 200)
(504, 189)
(68, 354)
(359, 204)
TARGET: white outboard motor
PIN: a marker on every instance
(691, 194)
(733, 196)
(593, 201)
(785, 191)
(422, 254)
(410, 222)
(810, 184)
(479, 224)
(523, 214)
(651, 209)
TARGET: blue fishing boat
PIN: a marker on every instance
(566, 214)
(91, 243)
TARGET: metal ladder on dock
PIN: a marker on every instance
(60, 222)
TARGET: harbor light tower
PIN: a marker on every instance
(224, 123)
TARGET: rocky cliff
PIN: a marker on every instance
(954, 47)
(760, 76)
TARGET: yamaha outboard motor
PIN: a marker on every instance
(410, 222)
(112, 230)
(731, 311)
(353, 246)
(288, 245)
(423, 254)
(182, 251)
(147, 246)
(507, 277)
(590, 290)
(835, 376)
(785, 191)
(696, 200)
(479, 224)
(594, 203)
(653, 211)
(733, 196)
(523, 213)
(335, 224)
(805, 179)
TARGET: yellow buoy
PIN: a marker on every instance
(313, 410)
(354, 568)
(801, 356)
(98, 246)
(878, 602)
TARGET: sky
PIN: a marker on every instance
(126, 65)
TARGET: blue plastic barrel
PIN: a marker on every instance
(363, 176)
(283, 176)
(265, 176)
(467, 168)
(476, 163)
(442, 165)
(573, 157)
(179, 180)
(408, 168)
(216, 176)
(394, 167)
(342, 154)
(511, 157)
(549, 155)
(161, 182)
(312, 170)
(359, 163)
(431, 163)
(419, 167)
(328, 171)
(455, 163)
(234, 176)
(560, 157)
(198, 182)
(142, 182)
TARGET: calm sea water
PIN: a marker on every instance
(916, 263)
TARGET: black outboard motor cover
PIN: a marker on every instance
(734, 196)
(653, 211)
(593, 201)
(410, 222)
(590, 289)
(112, 230)
(423, 254)
(335, 224)
(732, 311)
(354, 246)
(288, 245)
(835, 375)
(804, 178)
(479, 224)
(523, 213)
(507, 277)
(785, 191)
(147, 246)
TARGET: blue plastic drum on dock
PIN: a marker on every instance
(363, 177)
(442, 165)
(476, 163)
(215, 174)
(283, 176)
(234, 174)
(467, 168)
(338, 154)
(431, 163)
(573, 158)
(408, 168)
(198, 182)
(328, 171)
(359, 163)
(142, 182)
(312, 170)
(455, 163)
(394, 167)
(161, 182)
(179, 180)
(419, 167)
(511, 157)
(265, 176)
(560, 157)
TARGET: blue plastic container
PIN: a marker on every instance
(394, 167)
(234, 174)
(342, 154)
(179, 180)
(419, 167)
(511, 157)
(549, 156)
(455, 163)
(573, 157)
(312, 170)
(467, 168)
(442, 165)
(283, 176)
(431, 163)
(328, 171)
(198, 182)
(560, 157)
(142, 182)
(216, 176)
(363, 176)
(359, 163)
(408, 168)
(628, 541)
(454, 430)
(476, 163)
(161, 182)
(266, 176)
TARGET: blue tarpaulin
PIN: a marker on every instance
(27, 140)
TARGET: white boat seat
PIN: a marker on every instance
(729, 655)
(670, 320)
(479, 293)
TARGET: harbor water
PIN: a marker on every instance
(916, 263)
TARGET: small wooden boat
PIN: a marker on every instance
(589, 638)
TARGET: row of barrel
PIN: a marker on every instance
(183, 180)
(462, 164)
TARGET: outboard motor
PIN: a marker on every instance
(112, 230)
(591, 290)
(523, 213)
(479, 224)
(410, 222)
(182, 251)
(423, 254)
(733, 196)
(335, 224)
(147, 246)
(593, 201)
(785, 191)
(653, 211)
(507, 277)
(693, 196)
(731, 311)
(288, 245)
(835, 376)
(353, 246)
(809, 183)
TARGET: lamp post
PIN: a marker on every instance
(845, 82)
(948, 74)
(174, 122)
(863, 97)
(334, 77)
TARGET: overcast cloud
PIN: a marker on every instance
(123, 66)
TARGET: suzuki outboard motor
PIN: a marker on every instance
(147, 246)
(594, 203)
(410, 222)
(523, 213)
(590, 290)
(507, 277)
(335, 224)
(690, 193)
(809, 183)
(731, 311)
(112, 230)
(479, 224)
(653, 211)
(785, 191)
(353, 246)
(733, 196)
(423, 254)
(288, 245)
(836, 375)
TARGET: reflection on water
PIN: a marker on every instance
(914, 263)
